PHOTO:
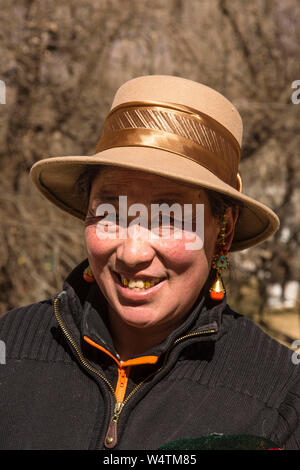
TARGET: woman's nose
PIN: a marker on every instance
(136, 250)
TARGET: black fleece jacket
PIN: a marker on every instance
(217, 373)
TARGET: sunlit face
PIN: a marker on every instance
(180, 273)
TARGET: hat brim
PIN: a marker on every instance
(55, 178)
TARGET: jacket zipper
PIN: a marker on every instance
(111, 437)
(75, 347)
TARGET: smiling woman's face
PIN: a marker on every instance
(179, 273)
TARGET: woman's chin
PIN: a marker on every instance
(138, 318)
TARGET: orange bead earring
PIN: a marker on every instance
(220, 261)
(88, 275)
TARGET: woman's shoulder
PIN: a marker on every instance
(31, 332)
(253, 334)
(259, 355)
(24, 310)
(26, 320)
(260, 333)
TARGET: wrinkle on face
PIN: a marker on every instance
(185, 271)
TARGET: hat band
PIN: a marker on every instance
(176, 129)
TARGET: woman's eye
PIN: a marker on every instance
(90, 218)
(94, 217)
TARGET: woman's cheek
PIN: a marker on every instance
(177, 255)
(89, 239)
(94, 246)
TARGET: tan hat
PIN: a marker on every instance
(171, 127)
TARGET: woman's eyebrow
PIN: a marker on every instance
(168, 198)
(105, 195)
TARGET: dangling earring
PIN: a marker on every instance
(88, 275)
(220, 261)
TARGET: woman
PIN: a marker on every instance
(140, 348)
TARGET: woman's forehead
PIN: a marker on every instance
(116, 181)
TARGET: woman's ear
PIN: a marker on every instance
(231, 216)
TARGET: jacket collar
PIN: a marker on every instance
(87, 312)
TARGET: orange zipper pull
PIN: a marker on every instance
(111, 437)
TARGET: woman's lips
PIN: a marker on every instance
(133, 294)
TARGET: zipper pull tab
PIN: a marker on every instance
(111, 437)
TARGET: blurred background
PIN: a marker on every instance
(61, 64)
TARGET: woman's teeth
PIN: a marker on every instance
(139, 284)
